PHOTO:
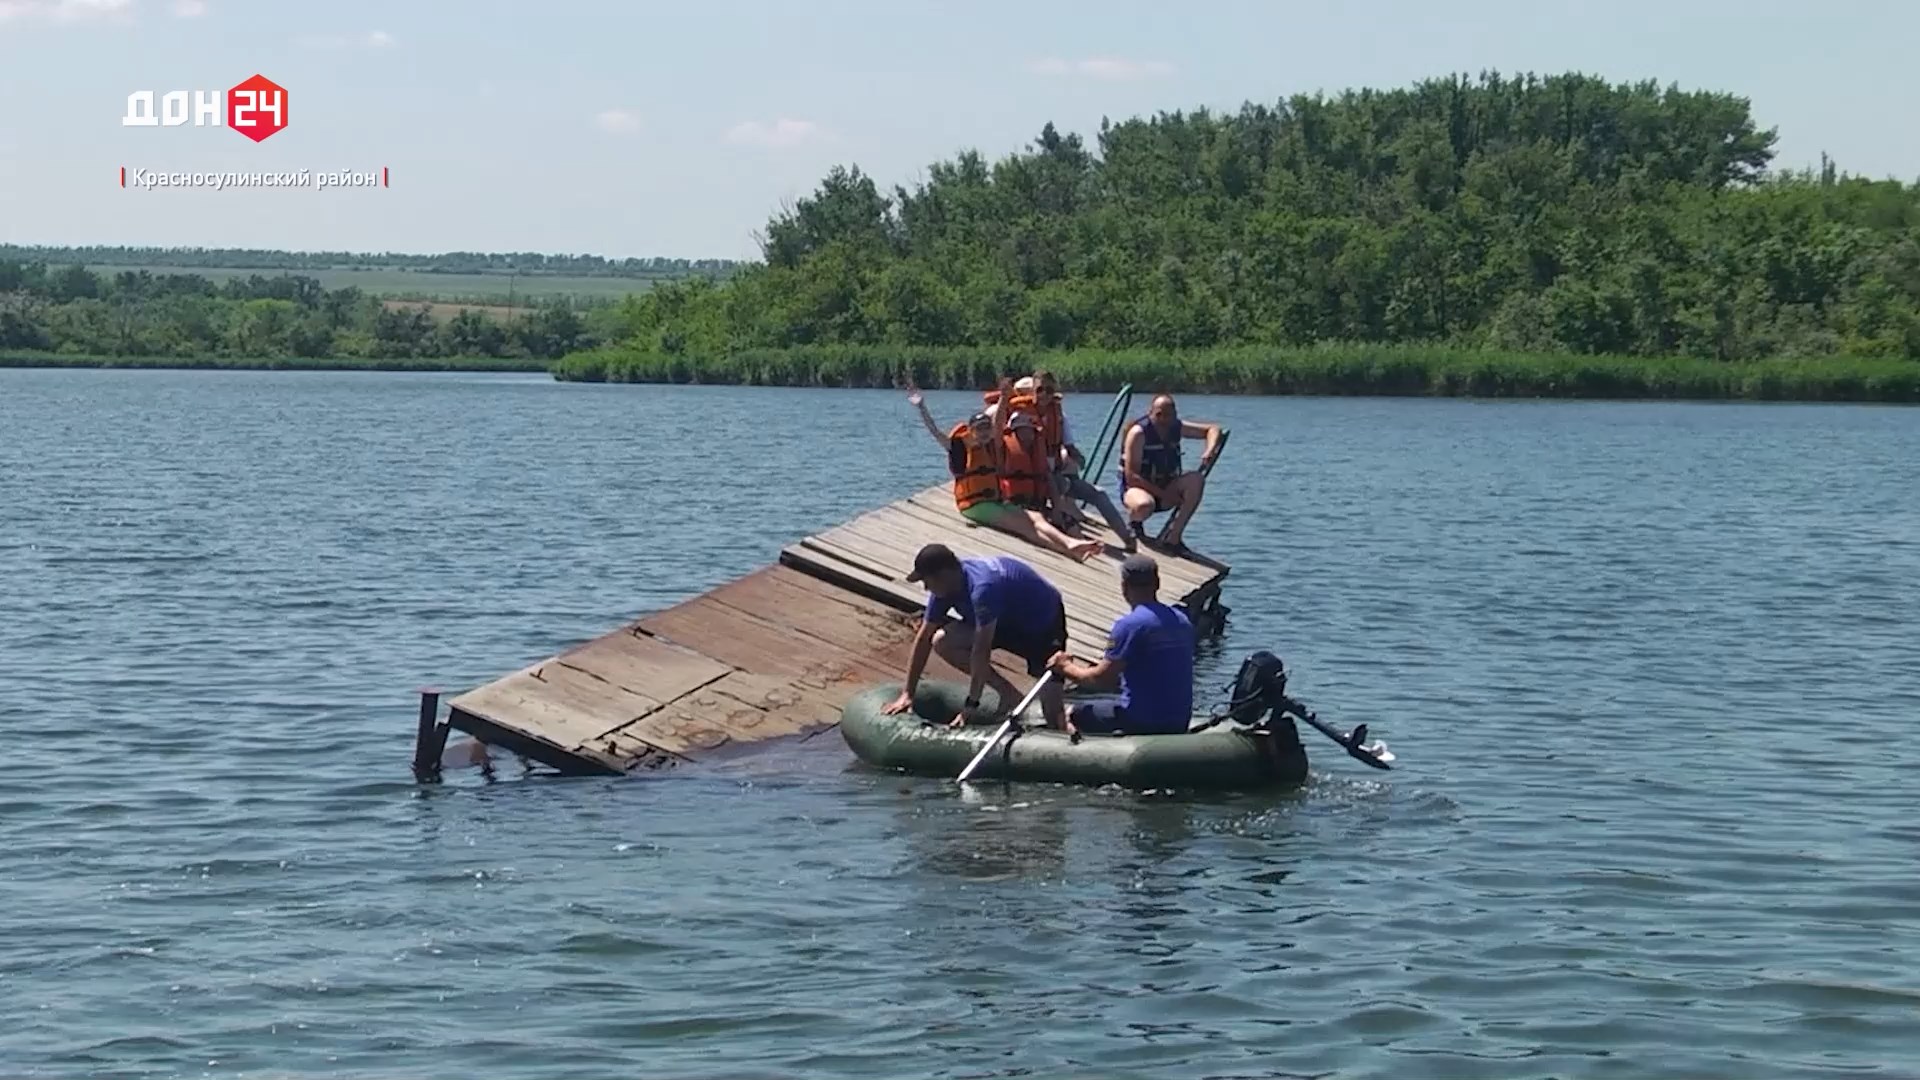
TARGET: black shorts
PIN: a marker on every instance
(1035, 649)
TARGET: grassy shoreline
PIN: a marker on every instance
(278, 363)
(1382, 370)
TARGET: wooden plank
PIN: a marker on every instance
(742, 707)
(912, 603)
(643, 665)
(695, 727)
(888, 582)
(830, 568)
(886, 550)
(874, 631)
(919, 527)
(1087, 587)
(799, 583)
(1088, 619)
(879, 562)
(519, 701)
(906, 532)
(868, 631)
(1184, 575)
(1083, 585)
(1092, 589)
(1188, 574)
(636, 754)
(532, 746)
(744, 641)
(800, 708)
(590, 694)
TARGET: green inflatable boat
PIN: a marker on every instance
(1259, 750)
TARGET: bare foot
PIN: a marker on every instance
(1088, 550)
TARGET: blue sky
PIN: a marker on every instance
(675, 129)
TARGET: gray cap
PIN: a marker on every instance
(1139, 570)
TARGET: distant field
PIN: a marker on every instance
(441, 312)
(392, 282)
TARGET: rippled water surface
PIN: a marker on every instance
(1652, 672)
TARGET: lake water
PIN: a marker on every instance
(1652, 672)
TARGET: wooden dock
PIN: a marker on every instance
(779, 652)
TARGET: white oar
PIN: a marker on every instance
(1017, 710)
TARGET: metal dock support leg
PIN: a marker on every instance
(430, 740)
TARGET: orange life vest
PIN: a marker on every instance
(1048, 420)
(970, 460)
(1024, 480)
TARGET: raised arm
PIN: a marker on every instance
(914, 399)
(1000, 414)
(1002, 410)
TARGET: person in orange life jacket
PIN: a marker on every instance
(1151, 479)
(1040, 394)
(1150, 653)
(977, 458)
(1026, 482)
(1068, 462)
(1003, 604)
(1025, 399)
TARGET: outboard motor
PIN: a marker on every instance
(1262, 683)
(1258, 702)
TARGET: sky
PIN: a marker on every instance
(676, 129)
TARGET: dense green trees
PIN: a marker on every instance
(72, 311)
(1555, 214)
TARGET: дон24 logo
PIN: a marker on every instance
(256, 108)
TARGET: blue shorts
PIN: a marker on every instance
(1107, 717)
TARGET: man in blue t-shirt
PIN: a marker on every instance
(1151, 652)
(1003, 604)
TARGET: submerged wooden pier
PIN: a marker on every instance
(779, 652)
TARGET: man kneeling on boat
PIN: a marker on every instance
(1150, 652)
(1003, 604)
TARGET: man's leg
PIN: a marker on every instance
(1036, 649)
(1053, 704)
(954, 644)
(1070, 513)
(1053, 696)
(1141, 505)
(1186, 491)
(1101, 716)
(1079, 488)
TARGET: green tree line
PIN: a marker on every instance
(75, 312)
(1543, 215)
(452, 262)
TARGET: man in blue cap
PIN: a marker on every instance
(1150, 653)
(1003, 604)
